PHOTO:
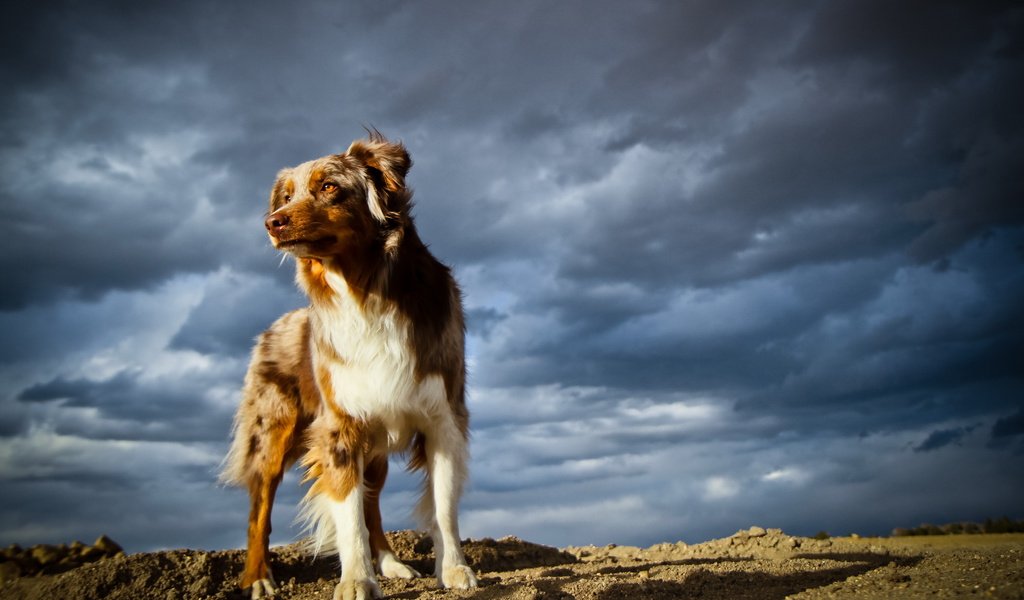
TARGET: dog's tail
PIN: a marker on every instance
(315, 508)
(234, 468)
(318, 524)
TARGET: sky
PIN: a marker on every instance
(724, 264)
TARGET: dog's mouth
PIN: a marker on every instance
(303, 242)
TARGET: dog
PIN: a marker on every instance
(373, 366)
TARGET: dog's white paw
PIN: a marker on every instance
(458, 577)
(356, 589)
(393, 568)
(263, 588)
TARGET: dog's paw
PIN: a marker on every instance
(393, 568)
(356, 589)
(263, 588)
(458, 577)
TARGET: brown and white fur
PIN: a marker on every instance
(374, 365)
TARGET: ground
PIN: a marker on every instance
(753, 563)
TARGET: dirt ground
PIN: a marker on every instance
(754, 563)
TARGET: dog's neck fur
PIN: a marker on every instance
(366, 271)
(394, 282)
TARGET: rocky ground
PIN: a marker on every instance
(753, 563)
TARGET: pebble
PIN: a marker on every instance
(48, 559)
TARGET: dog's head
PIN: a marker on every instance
(343, 203)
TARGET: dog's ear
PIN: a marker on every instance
(390, 159)
(387, 164)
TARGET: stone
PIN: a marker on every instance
(12, 552)
(9, 571)
(107, 545)
(756, 531)
(91, 554)
(45, 554)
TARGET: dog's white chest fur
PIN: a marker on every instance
(373, 370)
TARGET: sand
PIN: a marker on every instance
(754, 563)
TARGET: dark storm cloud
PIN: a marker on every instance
(118, 133)
(82, 486)
(1010, 426)
(95, 215)
(943, 437)
(129, 408)
(1008, 432)
(481, 321)
(234, 310)
(962, 93)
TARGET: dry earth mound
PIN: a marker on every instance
(754, 563)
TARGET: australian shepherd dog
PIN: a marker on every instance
(374, 365)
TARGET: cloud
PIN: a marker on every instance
(718, 488)
(1009, 426)
(976, 204)
(233, 311)
(138, 493)
(128, 407)
(943, 437)
(101, 227)
(1006, 432)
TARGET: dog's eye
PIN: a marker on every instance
(328, 187)
(287, 198)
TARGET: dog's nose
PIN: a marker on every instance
(276, 223)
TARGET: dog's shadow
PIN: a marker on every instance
(289, 564)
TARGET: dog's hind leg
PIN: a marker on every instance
(265, 445)
(279, 439)
(388, 565)
(278, 402)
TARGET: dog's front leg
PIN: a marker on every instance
(447, 454)
(336, 459)
(353, 541)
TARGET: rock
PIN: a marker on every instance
(45, 554)
(496, 555)
(9, 571)
(107, 545)
(200, 561)
(12, 551)
(756, 531)
(91, 554)
(200, 587)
